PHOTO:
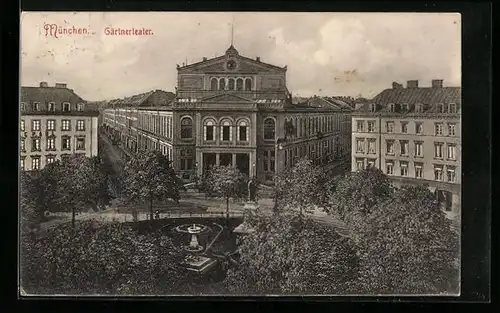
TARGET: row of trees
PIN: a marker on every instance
(75, 184)
(399, 242)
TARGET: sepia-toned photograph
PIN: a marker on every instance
(240, 154)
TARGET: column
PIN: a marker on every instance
(217, 159)
(234, 160)
(199, 159)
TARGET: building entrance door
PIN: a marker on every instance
(242, 163)
(225, 159)
(209, 160)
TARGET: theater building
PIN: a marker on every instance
(55, 122)
(413, 135)
(234, 110)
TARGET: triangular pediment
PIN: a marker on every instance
(225, 98)
(243, 65)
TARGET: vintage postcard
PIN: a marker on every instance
(169, 153)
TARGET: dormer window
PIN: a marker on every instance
(439, 107)
(80, 107)
(23, 106)
(452, 108)
(373, 107)
(418, 108)
(391, 107)
(66, 107)
(52, 106)
(36, 106)
(404, 107)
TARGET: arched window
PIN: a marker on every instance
(213, 84)
(230, 84)
(391, 107)
(222, 84)
(209, 130)
(242, 131)
(226, 131)
(239, 84)
(248, 84)
(80, 107)
(269, 129)
(186, 128)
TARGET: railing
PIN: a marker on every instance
(200, 94)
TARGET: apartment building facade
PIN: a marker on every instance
(233, 110)
(413, 135)
(55, 122)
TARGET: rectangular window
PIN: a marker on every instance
(371, 162)
(51, 144)
(390, 146)
(35, 163)
(22, 145)
(419, 128)
(35, 144)
(66, 107)
(66, 143)
(360, 126)
(36, 106)
(50, 159)
(390, 127)
(52, 106)
(80, 125)
(225, 133)
(35, 125)
(389, 166)
(22, 125)
(451, 152)
(371, 146)
(243, 133)
(360, 164)
(438, 172)
(80, 143)
(360, 145)
(371, 126)
(209, 133)
(453, 108)
(21, 164)
(438, 129)
(51, 125)
(403, 166)
(404, 127)
(65, 125)
(451, 174)
(438, 150)
(451, 129)
(418, 170)
(419, 152)
(404, 147)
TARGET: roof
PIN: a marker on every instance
(139, 99)
(431, 99)
(320, 103)
(49, 94)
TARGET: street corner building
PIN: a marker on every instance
(232, 110)
(54, 123)
(413, 135)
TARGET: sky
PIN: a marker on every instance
(346, 54)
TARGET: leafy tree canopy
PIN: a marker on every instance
(226, 182)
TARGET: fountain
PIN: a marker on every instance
(194, 261)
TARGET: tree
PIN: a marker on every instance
(29, 211)
(290, 255)
(300, 187)
(226, 182)
(83, 183)
(149, 176)
(403, 238)
(99, 258)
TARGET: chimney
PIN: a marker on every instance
(44, 84)
(437, 83)
(204, 58)
(258, 59)
(412, 84)
(396, 85)
(60, 85)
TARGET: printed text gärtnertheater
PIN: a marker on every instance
(111, 31)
